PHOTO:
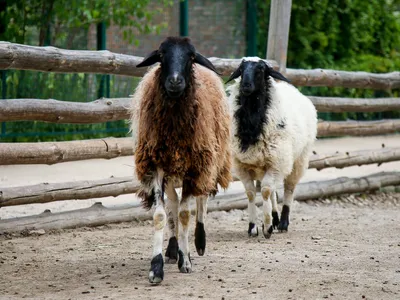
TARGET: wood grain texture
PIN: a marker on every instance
(113, 109)
(55, 111)
(51, 59)
(336, 104)
(357, 128)
(97, 214)
(278, 32)
(49, 192)
(56, 152)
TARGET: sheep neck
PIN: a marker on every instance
(251, 116)
(171, 135)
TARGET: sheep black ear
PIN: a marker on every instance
(234, 75)
(276, 75)
(200, 59)
(151, 59)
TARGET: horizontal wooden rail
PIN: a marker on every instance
(114, 109)
(336, 104)
(56, 111)
(46, 192)
(97, 214)
(51, 59)
(332, 78)
(358, 128)
(354, 158)
(57, 152)
(75, 190)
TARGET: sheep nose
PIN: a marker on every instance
(247, 85)
(175, 80)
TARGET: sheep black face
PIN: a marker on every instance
(254, 73)
(176, 56)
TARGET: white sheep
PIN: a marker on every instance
(274, 127)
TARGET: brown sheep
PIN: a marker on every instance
(180, 121)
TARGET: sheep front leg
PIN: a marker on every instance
(250, 188)
(171, 254)
(184, 262)
(156, 274)
(200, 233)
(268, 188)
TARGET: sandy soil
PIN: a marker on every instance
(345, 248)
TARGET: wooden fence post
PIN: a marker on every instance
(278, 32)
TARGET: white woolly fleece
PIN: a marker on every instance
(279, 148)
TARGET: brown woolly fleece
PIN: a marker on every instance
(188, 138)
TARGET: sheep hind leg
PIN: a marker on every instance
(275, 215)
(289, 186)
(200, 233)
(156, 274)
(268, 187)
(171, 254)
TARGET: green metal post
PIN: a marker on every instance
(184, 18)
(251, 20)
(104, 90)
(3, 96)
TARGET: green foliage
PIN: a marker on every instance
(77, 87)
(65, 24)
(22, 16)
(352, 35)
(329, 33)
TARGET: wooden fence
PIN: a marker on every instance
(50, 59)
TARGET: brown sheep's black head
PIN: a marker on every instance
(176, 55)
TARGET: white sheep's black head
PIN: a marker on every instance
(176, 55)
(254, 72)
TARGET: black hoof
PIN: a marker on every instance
(185, 266)
(267, 233)
(284, 222)
(171, 255)
(200, 238)
(275, 219)
(156, 274)
(253, 230)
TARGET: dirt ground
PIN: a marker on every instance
(341, 248)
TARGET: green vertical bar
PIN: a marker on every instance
(3, 96)
(184, 18)
(104, 89)
(251, 20)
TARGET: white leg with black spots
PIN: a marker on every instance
(184, 263)
(156, 274)
(172, 205)
(275, 214)
(200, 234)
(268, 188)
